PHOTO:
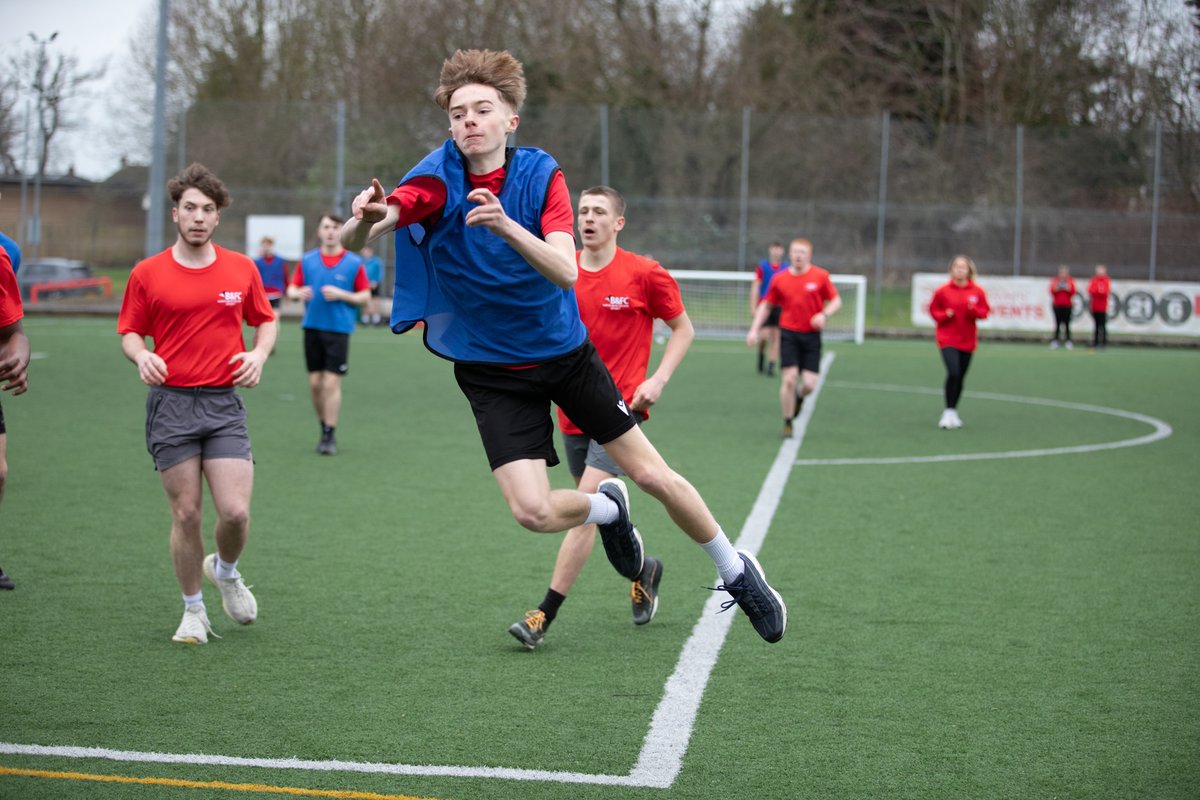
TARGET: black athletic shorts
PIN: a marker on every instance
(800, 349)
(326, 351)
(512, 406)
(772, 320)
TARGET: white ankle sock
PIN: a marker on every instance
(729, 564)
(196, 599)
(603, 510)
(226, 570)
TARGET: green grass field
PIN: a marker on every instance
(960, 627)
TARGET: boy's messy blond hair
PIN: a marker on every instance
(497, 69)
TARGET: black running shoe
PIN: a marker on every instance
(622, 542)
(531, 630)
(787, 429)
(328, 445)
(644, 591)
(6, 582)
(758, 600)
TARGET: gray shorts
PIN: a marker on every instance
(582, 451)
(183, 423)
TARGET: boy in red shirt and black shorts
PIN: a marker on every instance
(807, 299)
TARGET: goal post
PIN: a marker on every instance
(718, 303)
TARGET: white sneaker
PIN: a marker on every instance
(955, 420)
(194, 628)
(947, 420)
(1054, 345)
(1070, 345)
(236, 599)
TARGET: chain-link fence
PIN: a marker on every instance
(708, 190)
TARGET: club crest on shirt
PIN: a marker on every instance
(811, 286)
(616, 303)
(229, 298)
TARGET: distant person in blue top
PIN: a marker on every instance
(333, 284)
(768, 341)
(273, 270)
(485, 258)
(374, 268)
(13, 250)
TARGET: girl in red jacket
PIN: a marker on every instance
(955, 307)
(1062, 289)
(1098, 290)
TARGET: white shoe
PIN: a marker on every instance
(1054, 345)
(947, 420)
(1070, 345)
(955, 421)
(194, 628)
(236, 599)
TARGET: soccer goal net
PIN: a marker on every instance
(718, 304)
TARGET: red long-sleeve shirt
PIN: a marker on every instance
(969, 303)
(1098, 290)
(1062, 289)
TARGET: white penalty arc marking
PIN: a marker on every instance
(1161, 430)
(665, 745)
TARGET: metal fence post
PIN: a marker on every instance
(881, 215)
(744, 204)
(339, 202)
(1020, 205)
(1154, 207)
(604, 144)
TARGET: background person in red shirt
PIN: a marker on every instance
(620, 295)
(807, 299)
(1062, 289)
(14, 360)
(955, 307)
(192, 300)
(1099, 290)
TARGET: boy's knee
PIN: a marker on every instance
(534, 517)
(236, 518)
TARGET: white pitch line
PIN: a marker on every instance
(661, 758)
(670, 731)
(1161, 431)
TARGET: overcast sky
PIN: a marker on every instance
(96, 32)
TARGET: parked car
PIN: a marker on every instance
(68, 276)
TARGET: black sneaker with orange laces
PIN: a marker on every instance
(644, 591)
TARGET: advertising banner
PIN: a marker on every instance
(1023, 304)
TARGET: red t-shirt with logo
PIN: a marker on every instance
(195, 316)
(801, 296)
(1098, 289)
(11, 309)
(619, 304)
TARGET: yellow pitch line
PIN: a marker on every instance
(232, 787)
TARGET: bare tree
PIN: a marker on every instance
(9, 124)
(56, 82)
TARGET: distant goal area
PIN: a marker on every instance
(719, 304)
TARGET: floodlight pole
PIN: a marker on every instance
(158, 155)
(34, 234)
